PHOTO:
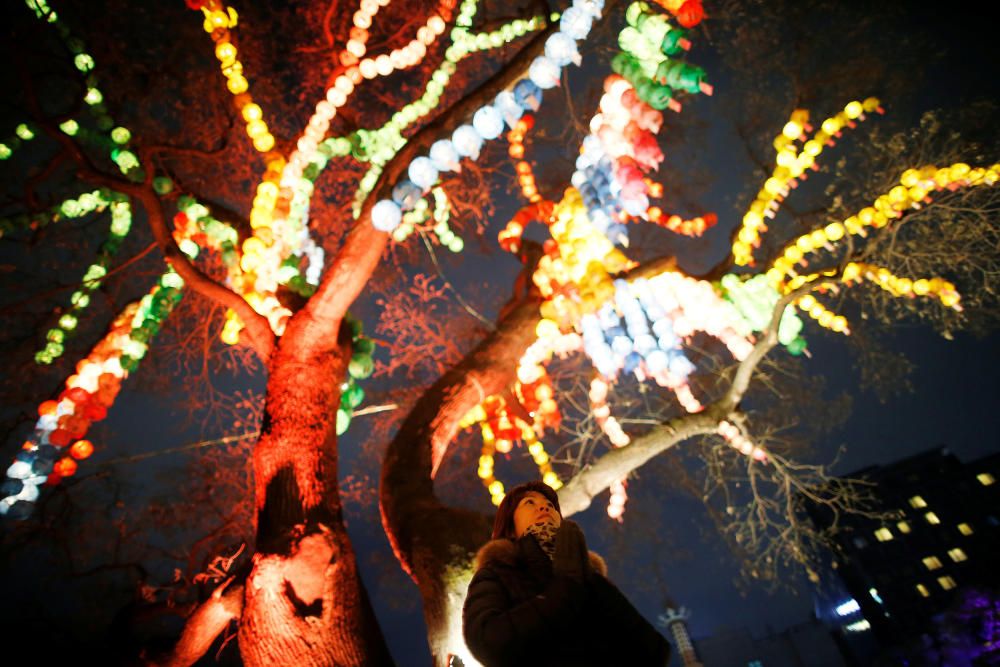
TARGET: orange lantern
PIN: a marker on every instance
(81, 449)
(65, 467)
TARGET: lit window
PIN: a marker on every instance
(965, 529)
(947, 583)
(932, 563)
(918, 502)
(858, 626)
(755, 663)
(957, 555)
(883, 534)
(932, 518)
(903, 527)
(923, 591)
(985, 478)
(847, 608)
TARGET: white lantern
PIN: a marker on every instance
(544, 72)
(467, 141)
(488, 122)
(29, 492)
(561, 49)
(657, 361)
(423, 172)
(19, 470)
(508, 108)
(386, 215)
(576, 22)
(444, 157)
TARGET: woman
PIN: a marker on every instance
(540, 598)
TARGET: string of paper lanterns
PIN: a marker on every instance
(913, 191)
(791, 166)
(52, 451)
(575, 274)
(121, 221)
(622, 147)
(487, 122)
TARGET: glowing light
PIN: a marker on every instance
(847, 608)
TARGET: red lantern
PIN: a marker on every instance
(78, 395)
(81, 449)
(690, 13)
(47, 408)
(65, 467)
(60, 437)
(94, 411)
(53, 478)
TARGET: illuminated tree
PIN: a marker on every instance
(331, 200)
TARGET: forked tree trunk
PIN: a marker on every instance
(305, 604)
(434, 543)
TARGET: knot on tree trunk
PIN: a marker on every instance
(301, 574)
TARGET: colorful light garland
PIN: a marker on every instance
(791, 166)
(913, 191)
(487, 122)
(576, 273)
(121, 222)
(50, 454)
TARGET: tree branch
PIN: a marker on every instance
(577, 494)
(362, 250)
(204, 625)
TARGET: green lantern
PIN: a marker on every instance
(361, 367)
(353, 397)
(797, 346)
(343, 420)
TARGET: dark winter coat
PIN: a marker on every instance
(519, 613)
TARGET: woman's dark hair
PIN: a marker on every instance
(503, 525)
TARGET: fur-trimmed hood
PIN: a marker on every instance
(506, 551)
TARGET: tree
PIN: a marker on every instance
(299, 597)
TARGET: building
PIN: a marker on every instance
(897, 574)
(808, 643)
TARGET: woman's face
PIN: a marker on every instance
(534, 507)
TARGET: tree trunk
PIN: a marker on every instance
(305, 603)
(434, 543)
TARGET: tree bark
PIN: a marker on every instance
(305, 603)
(435, 543)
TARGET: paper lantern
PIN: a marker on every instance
(65, 467)
(343, 420)
(575, 22)
(528, 95)
(444, 157)
(561, 49)
(690, 13)
(81, 449)
(467, 141)
(508, 108)
(544, 73)
(407, 194)
(423, 172)
(488, 122)
(386, 215)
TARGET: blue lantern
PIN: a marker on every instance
(528, 95)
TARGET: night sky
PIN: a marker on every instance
(954, 402)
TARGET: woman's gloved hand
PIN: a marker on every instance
(571, 557)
